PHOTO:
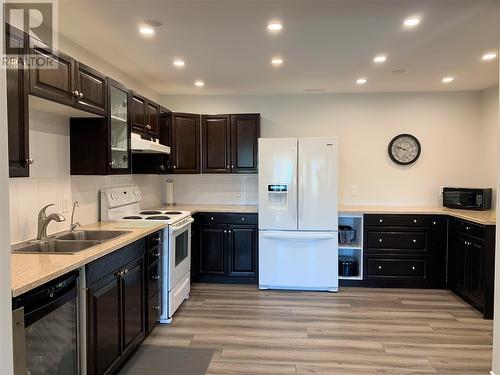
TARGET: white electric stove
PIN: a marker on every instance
(123, 204)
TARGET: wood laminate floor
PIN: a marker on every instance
(356, 331)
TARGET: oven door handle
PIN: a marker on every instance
(174, 229)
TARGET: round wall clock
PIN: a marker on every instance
(404, 149)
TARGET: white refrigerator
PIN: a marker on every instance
(298, 216)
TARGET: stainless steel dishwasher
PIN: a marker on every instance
(45, 324)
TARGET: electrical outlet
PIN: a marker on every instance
(354, 190)
(66, 204)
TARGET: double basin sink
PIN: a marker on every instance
(68, 242)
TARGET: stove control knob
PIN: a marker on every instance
(114, 195)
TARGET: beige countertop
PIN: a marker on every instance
(480, 217)
(193, 208)
(31, 270)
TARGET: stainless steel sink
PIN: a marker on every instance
(90, 235)
(68, 242)
(54, 246)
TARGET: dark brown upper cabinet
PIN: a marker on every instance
(145, 116)
(216, 141)
(165, 121)
(185, 148)
(101, 145)
(17, 104)
(245, 132)
(91, 89)
(53, 77)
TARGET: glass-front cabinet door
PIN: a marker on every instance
(119, 128)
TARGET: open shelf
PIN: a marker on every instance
(355, 248)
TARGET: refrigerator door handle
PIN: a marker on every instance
(300, 235)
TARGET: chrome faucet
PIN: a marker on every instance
(44, 220)
(74, 225)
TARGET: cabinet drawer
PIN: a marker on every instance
(154, 240)
(154, 310)
(225, 218)
(396, 240)
(412, 268)
(154, 278)
(114, 261)
(398, 220)
(470, 228)
(154, 255)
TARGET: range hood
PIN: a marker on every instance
(147, 146)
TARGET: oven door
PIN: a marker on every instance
(179, 242)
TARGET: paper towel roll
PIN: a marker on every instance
(169, 192)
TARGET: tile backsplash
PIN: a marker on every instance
(215, 189)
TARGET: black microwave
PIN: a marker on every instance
(467, 199)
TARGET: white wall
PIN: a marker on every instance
(449, 126)
(50, 181)
(6, 353)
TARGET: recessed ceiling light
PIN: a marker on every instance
(361, 81)
(379, 59)
(146, 30)
(276, 61)
(199, 83)
(447, 79)
(489, 56)
(179, 63)
(274, 26)
(411, 21)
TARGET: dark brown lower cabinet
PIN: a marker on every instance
(116, 308)
(471, 264)
(153, 276)
(226, 248)
(405, 251)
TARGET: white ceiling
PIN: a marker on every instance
(325, 44)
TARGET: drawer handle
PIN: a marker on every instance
(415, 221)
(380, 240)
(413, 268)
(156, 307)
(434, 223)
(380, 220)
(242, 219)
(414, 241)
(212, 218)
(379, 267)
(467, 228)
(157, 255)
(155, 277)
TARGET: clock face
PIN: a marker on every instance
(404, 149)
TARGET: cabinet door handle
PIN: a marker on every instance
(232, 166)
(157, 255)
(467, 228)
(379, 267)
(434, 223)
(155, 277)
(112, 162)
(413, 268)
(380, 220)
(380, 240)
(119, 273)
(76, 93)
(125, 271)
(227, 167)
(225, 231)
(414, 241)
(30, 161)
(212, 218)
(80, 96)
(156, 307)
(242, 219)
(414, 221)
(175, 166)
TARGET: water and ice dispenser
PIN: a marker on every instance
(277, 196)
